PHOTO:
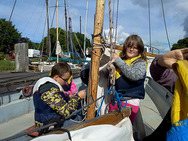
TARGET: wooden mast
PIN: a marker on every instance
(67, 42)
(85, 30)
(95, 62)
(48, 37)
(57, 39)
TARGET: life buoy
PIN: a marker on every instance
(28, 90)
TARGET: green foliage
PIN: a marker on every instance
(8, 34)
(62, 40)
(182, 43)
(7, 65)
(31, 45)
(1, 55)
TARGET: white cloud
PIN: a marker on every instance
(121, 35)
(133, 18)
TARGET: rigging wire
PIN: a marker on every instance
(116, 20)
(149, 24)
(79, 44)
(53, 17)
(12, 10)
(43, 35)
(9, 21)
(165, 24)
(31, 17)
(39, 21)
(50, 124)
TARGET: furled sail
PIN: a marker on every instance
(60, 52)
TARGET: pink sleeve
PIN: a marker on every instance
(73, 88)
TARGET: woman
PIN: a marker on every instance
(130, 72)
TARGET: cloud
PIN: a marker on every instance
(121, 35)
(74, 12)
(132, 18)
(175, 10)
(185, 24)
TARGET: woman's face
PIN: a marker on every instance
(132, 51)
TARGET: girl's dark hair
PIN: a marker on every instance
(130, 41)
(60, 69)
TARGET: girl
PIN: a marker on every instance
(130, 72)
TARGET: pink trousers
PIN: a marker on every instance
(133, 113)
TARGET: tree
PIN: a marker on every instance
(81, 42)
(62, 40)
(8, 34)
(182, 43)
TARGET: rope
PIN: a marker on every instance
(112, 71)
(116, 20)
(113, 18)
(118, 97)
(50, 124)
(110, 23)
(165, 24)
(99, 46)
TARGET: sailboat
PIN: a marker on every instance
(60, 55)
(111, 126)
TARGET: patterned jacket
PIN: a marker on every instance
(50, 102)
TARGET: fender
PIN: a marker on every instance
(27, 90)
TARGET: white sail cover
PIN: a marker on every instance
(60, 52)
(121, 132)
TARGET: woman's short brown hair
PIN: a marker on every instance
(130, 41)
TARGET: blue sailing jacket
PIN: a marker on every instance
(43, 112)
(132, 89)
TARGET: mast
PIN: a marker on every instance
(57, 29)
(71, 38)
(80, 24)
(95, 62)
(48, 37)
(67, 42)
(85, 30)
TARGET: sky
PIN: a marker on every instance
(29, 18)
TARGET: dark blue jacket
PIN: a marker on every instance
(43, 112)
(133, 89)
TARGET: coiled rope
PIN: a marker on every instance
(118, 97)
